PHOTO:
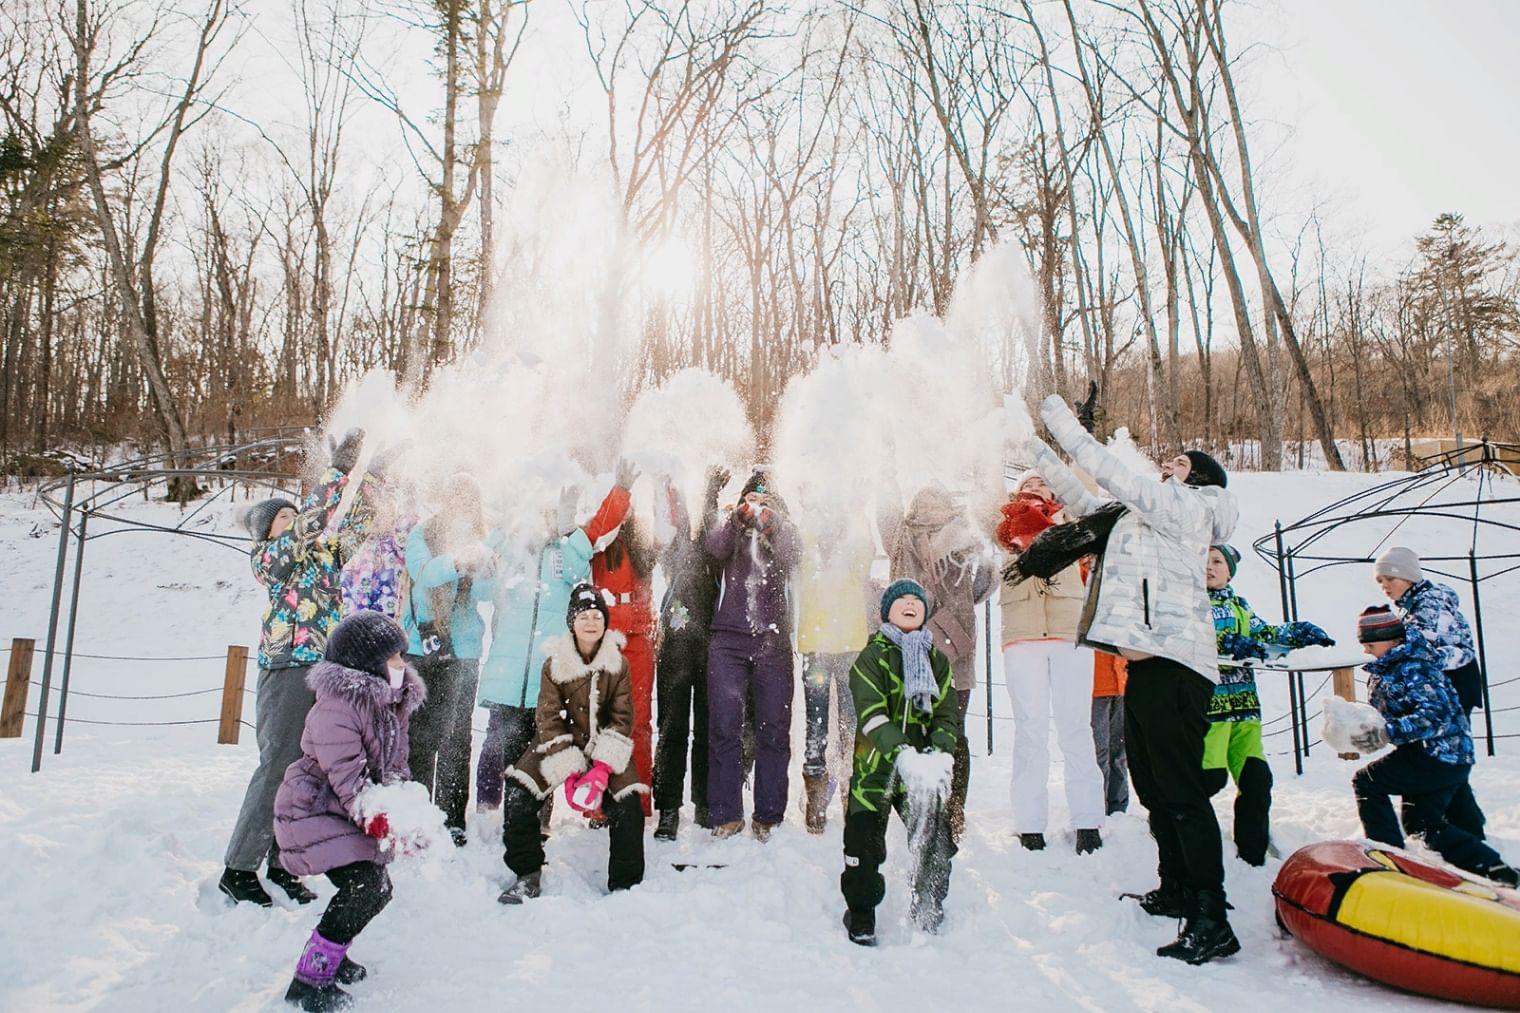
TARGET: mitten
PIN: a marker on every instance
(717, 478)
(564, 515)
(1233, 645)
(346, 454)
(1371, 740)
(386, 456)
(378, 826)
(766, 521)
(1302, 634)
(590, 787)
(746, 513)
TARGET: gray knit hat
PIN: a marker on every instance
(365, 640)
(1401, 563)
(259, 516)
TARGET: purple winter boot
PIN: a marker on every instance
(315, 987)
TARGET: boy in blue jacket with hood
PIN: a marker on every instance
(1433, 748)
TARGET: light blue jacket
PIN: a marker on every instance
(429, 571)
(529, 612)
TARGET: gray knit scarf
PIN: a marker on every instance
(918, 674)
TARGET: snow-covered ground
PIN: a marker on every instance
(108, 857)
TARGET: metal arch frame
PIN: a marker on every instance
(1285, 547)
(119, 482)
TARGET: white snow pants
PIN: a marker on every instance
(1048, 677)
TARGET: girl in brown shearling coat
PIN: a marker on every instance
(584, 742)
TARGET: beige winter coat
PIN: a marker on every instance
(1037, 609)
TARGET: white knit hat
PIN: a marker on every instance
(1024, 476)
(1399, 562)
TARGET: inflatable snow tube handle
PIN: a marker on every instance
(1400, 921)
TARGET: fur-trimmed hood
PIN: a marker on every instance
(565, 664)
(328, 678)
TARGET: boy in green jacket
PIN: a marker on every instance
(907, 722)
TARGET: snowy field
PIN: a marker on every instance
(109, 856)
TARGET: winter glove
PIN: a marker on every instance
(747, 513)
(627, 473)
(1241, 648)
(1371, 740)
(584, 791)
(1305, 635)
(386, 456)
(717, 478)
(564, 517)
(346, 454)
(378, 826)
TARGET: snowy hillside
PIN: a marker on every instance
(110, 854)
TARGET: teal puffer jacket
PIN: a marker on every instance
(530, 610)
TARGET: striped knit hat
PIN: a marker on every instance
(1379, 623)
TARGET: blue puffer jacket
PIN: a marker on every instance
(1418, 702)
(428, 571)
(530, 612)
(1436, 611)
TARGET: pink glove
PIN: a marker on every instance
(584, 793)
(377, 826)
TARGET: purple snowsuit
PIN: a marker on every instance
(750, 652)
(355, 736)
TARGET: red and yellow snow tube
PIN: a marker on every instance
(1402, 922)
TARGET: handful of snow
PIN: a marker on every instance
(924, 774)
(1346, 720)
(415, 822)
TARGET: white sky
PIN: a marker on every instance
(1398, 109)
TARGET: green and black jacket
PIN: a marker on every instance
(886, 721)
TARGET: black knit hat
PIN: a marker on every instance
(587, 596)
(1377, 623)
(760, 481)
(258, 517)
(365, 641)
(1205, 470)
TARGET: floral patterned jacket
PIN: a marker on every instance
(301, 570)
(375, 577)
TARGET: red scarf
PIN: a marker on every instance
(1024, 518)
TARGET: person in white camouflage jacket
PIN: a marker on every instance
(1146, 601)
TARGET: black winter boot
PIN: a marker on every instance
(526, 888)
(1206, 935)
(242, 885)
(1504, 874)
(1169, 900)
(861, 926)
(293, 887)
(670, 823)
(317, 999)
(1032, 842)
(1088, 841)
(351, 971)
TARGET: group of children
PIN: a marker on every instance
(566, 717)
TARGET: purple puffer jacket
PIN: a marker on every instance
(356, 735)
(753, 596)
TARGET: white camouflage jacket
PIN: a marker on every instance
(1148, 595)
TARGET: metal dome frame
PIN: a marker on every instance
(226, 466)
(1297, 550)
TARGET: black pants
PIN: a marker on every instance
(681, 698)
(960, 771)
(524, 848)
(1464, 810)
(1425, 787)
(1165, 721)
(364, 889)
(865, 849)
(440, 733)
(1253, 807)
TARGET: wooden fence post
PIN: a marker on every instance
(18, 678)
(1343, 684)
(232, 696)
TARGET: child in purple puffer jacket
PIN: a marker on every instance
(355, 737)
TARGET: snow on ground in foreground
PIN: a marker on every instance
(108, 857)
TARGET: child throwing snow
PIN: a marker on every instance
(585, 742)
(1233, 741)
(355, 737)
(1433, 749)
(906, 706)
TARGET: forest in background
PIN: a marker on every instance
(175, 271)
